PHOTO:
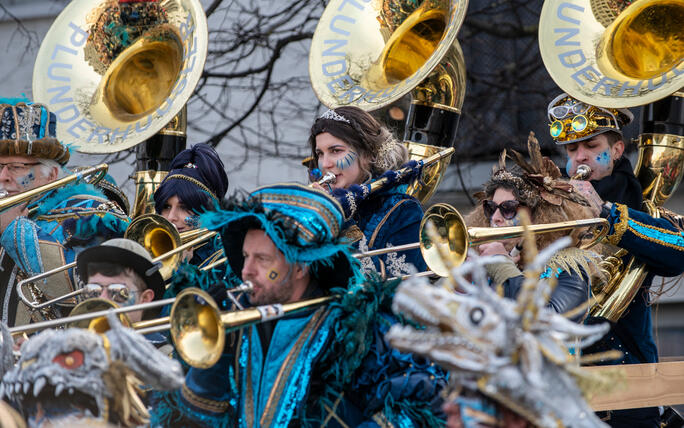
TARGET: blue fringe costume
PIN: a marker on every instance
(325, 367)
(67, 221)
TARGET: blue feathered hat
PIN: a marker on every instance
(29, 129)
(303, 223)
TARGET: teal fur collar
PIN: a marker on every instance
(59, 196)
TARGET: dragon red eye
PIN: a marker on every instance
(72, 360)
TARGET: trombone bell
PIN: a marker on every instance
(196, 328)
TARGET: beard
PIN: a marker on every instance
(271, 293)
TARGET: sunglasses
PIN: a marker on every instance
(118, 293)
(508, 209)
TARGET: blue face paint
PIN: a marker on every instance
(192, 221)
(26, 180)
(346, 161)
(568, 167)
(603, 158)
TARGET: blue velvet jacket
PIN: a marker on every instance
(659, 245)
(389, 218)
(329, 366)
(67, 221)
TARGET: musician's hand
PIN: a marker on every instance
(319, 187)
(492, 249)
(10, 214)
(585, 189)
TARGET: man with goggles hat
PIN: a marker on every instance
(593, 136)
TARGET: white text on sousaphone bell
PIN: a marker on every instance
(70, 105)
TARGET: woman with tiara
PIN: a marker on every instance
(196, 183)
(351, 144)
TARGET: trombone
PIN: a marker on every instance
(199, 236)
(92, 309)
(8, 202)
(456, 238)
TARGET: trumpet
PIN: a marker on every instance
(7, 202)
(583, 172)
(455, 237)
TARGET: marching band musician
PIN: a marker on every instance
(656, 242)
(350, 143)
(66, 220)
(326, 365)
(537, 188)
(196, 183)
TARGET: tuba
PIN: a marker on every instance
(660, 169)
(624, 54)
(371, 54)
(614, 54)
(117, 73)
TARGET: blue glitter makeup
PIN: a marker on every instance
(26, 180)
(603, 158)
(192, 221)
(346, 161)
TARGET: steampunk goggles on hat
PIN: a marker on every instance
(575, 120)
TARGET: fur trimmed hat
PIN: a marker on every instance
(28, 129)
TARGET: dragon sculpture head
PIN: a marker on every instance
(513, 351)
(75, 375)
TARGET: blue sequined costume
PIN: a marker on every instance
(67, 220)
(326, 366)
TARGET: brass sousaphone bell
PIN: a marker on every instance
(112, 82)
(612, 53)
(370, 54)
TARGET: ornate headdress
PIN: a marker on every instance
(28, 129)
(303, 223)
(571, 120)
(533, 181)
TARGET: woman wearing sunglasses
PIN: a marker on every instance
(537, 189)
(351, 144)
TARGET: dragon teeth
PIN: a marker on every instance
(58, 389)
(27, 386)
(38, 386)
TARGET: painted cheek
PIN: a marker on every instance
(569, 167)
(273, 275)
(515, 221)
(346, 161)
(26, 180)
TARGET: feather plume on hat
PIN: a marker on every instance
(545, 176)
(533, 181)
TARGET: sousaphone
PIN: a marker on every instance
(116, 72)
(370, 54)
(614, 53)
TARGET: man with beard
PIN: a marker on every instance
(61, 222)
(328, 365)
(592, 136)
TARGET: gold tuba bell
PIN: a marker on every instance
(614, 54)
(113, 83)
(370, 54)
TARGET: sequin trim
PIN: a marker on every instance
(620, 227)
(658, 235)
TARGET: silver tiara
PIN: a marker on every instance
(333, 115)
